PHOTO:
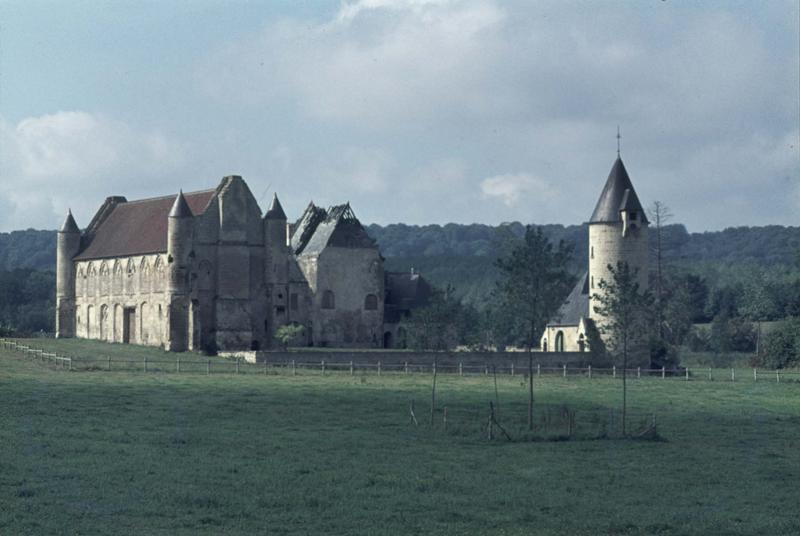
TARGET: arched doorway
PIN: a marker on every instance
(559, 341)
(387, 339)
(581, 343)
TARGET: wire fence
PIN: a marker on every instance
(182, 364)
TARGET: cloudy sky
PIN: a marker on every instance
(416, 111)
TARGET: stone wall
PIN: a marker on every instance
(109, 291)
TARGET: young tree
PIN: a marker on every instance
(660, 213)
(288, 333)
(626, 320)
(533, 281)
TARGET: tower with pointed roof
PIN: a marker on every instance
(617, 233)
(69, 242)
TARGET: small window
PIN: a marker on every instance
(294, 302)
(634, 214)
(592, 281)
(328, 300)
(591, 252)
(280, 309)
(371, 302)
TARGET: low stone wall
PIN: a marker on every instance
(398, 360)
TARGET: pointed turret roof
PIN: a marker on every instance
(180, 209)
(69, 224)
(275, 211)
(618, 194)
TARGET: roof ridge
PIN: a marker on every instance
(168, 196)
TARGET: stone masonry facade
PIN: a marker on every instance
(206, 271)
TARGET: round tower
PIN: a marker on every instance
(276, 269)
(180, 225)
(180, 228)
(68, 244)
(617, 233)
(275, 241)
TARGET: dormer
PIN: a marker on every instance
(630, 212)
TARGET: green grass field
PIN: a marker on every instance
(133, 453)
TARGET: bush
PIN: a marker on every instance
(782, 347)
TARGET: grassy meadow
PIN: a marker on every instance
(132, 453)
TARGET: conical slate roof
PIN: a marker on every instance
(618, 194)
(180, 209)
(275, 211)
(69, 225)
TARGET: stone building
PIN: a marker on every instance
(206, 271)
(617, 233)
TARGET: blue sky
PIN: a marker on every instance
(416, 111)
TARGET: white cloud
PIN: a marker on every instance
(76, 159)
(511, 188)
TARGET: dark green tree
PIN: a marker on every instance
(626, 319)
(533, 281)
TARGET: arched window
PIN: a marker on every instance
(581, 343)
(559, 341)
(371, 302)
(544, 345)
(328, 300)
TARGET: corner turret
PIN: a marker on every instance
(180, 230)
(68, 245)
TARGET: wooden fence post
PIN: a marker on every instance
(755, 374)
(733, 375)
(638, 372)
(379, 368)
(538, 370)
(590, 372)
(208, 367)
(777, 376)
(486, 369)
(460, 368)
(69, 363)
(294, 370)
(565, 370)
(178, 365)
(613, 371)
(663, 372)
(433, 368)
(323, 367)
(237, 365)
(405, 367)
(351, 368)
(687, 374)
(709, 374)
(512, 368)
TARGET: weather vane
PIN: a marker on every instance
(618, 138)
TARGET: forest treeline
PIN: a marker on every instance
(747, 272)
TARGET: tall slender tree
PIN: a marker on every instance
(626, 319)
(533, 282)
(660, 214)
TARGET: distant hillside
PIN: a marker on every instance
(465, 253)
(28, 249)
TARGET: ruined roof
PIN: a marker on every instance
(404, 291)
(575, 307)
(136, 227)
(69, 225)
(275, 211)
(180, 209)
(335, 227)
(618, 193)
(305, 226)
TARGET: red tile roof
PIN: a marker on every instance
(139, 227)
